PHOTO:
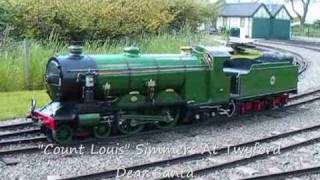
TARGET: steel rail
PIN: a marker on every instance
(304, 101)
(22, 124)
(150, 132)
(23, 140)
(298, 96)
(20, 150)
(7, 142)
(303, 45)
(246, 160)
(20, 132)
(195, 156)
(286, 174)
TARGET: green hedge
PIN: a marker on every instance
(99, 19)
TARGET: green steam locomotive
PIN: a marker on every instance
(100, 94)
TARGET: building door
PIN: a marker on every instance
(261, 28)
(280, 29)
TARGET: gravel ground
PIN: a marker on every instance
(303, 157)
(132, 151)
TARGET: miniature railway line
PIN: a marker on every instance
(17, 125)
(28, 149)
(245, 160)
(299, 96)
(287, 174)
(310, 96)
(23, 140)
(20, 132)
(112, 173)
(294, 101)
(199, 156)
(300, 44)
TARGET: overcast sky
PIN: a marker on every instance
(314, 9)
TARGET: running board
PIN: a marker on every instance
(146, 117)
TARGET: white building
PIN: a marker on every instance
(256, 20)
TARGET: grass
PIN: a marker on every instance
(17, 104)
(12, 62)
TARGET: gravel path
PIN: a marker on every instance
(132, 151)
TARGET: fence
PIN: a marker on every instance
(307, 31)
(22, 65)
(26, 64)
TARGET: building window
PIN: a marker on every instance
(242, 22)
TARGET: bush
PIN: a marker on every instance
(100, 19)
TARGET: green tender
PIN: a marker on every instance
(268, 78)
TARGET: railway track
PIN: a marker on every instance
(286, 174)
(300, 44)
(16, 125)
(304, 98)
(294, 101)
(245, 160)
(315, 95)
(306, 94)
(23, 140)
(28, 149)
(202, 155)
(20, 132)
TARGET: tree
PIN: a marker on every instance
(305, 7)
